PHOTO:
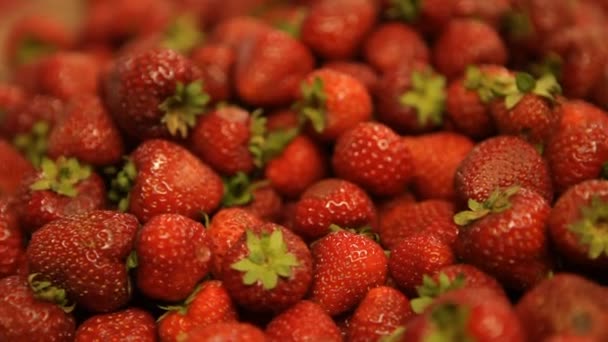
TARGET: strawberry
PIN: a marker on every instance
(502, 161)
(67, 74)
(287, 17)
(564, 304)
(374, 157)
(361, 71)
(304, 321)
(269, 68)
(207, 305)
(158, 104)
(492, 13)
(436, 157)
(346, 267)
(465, 42)
(173, 255)
(576, 224)
(417, 255)
(24, 317)
(237, 31)
(11, 97)
(128, 324)
(382, 311)
(61, 188)
(40, 108)
(86, 131)
(266, 203)
(12, 248)
(332, 201)
(216, 62)
(162, 177)
(268, 269)
(392, 44)
(14, 169)
(334, 29)
(282, 119)
(85, 256)
(229, 332)
(333, 103)
(431, 16)
(578, 148)
(506, 230)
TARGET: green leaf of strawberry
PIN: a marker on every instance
(121, 184)
(591, 228)
(183, 34)
(497, 202)
(427, 96)
(237, 190)
(312, 107)
(431, 289)
(34, 143)
(182, 108)
(61, 176)
(45, 290)
(450, 322)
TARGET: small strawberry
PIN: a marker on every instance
(304, 321)
(14, 169)
(346, 267)
(361, 71)
(216, 62)
(268, 269)
(228, 332)
(173, 255)
(374, 157)
(67, 74)
(382, 311)
(12, 249)
(332, 201)
(128, 324)
(84, 257)
(207, 305)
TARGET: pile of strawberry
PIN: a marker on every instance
(315, 170)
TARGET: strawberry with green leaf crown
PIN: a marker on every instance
(128, 324)
(61, 188)
(12, 248)
(155, 93)
(303, 321)
(268, 269)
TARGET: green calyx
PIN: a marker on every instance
(407, 10)
(182, 108)
(120, 186)
(312, 107)
(394, 336)
(498, 202)
(546, 86)
(550, 64)
(517, 24)
(34, 143)
(46, 291)
(32, 49)
(592, 228)
(237, 190)
(61, 176)
(265, 145)
(431, 289)
(449, 324)
(488, 87)
(183, 34)
(268, 259)
(427, 96)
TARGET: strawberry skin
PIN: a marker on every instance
(216, 62)
(12, 249)
(228, 331)
(14, 169)
(68, 74)
(361, 71)
(11, 97)
(129, 324)
(471, 276)
(23, 118)
(304, 321)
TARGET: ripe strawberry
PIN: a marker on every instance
(505, 234)
(207, 305)
(392, 44)
(430, 16)
(237, 31)
(39, 108)
(216, 62)
(14, 169)
(436, 157)
(382, 311)
(157, 104)
(23, 317)
(374, 157)
(465, 42)
(11, 97)
(268, 269)
(266, 203)
(287, 17)
(128, 324)
(564, 304)
(417, 255)
(269, 68)
(61, 188)
(361, 71)
(67, 74)
(492, 13)
(346, 267)
(576, 224)
(502, 161)
(578, 149)
(85, 255)
(304, 321)
(282, 119)
(12, 249)
(86, 131)
(173, 255)
(228, 332)
(332, 201)
(162, 177)
(334, 29)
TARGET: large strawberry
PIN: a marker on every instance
(14, 169)
(304, 321)
(84, 258)
(129, 324)
(12, 249)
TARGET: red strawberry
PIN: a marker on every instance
(12, 249)
(23, 317)
(268, 269)
(155, 93)
(216, 62)
(11, 97)
(502, 161)
(129, 324)
(361, 71)
(374, 157)
(86, 131)
(334, 29)
(282, 119)
(173, 255)
(333, 102)
(39, 108)
(491, 12)
(465, 42)
(67, 74)
(578, 149)
(287, 17)
(14, 169)
(164, 178)
(208, 304)
(564, 304)
(430, 15)
(228, 332)
(237, 31)
(332, 201)
(266, 203)
(304, 321)
(61, 188)
(86, 255)
(382, 311)
(505, 235)
(346, 267)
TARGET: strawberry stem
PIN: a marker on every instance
(592, 228)
(497, 202)
(61, 176)
(34, 143)
(427, 95)
(44, 290)
(312, 106)
(182, 108)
